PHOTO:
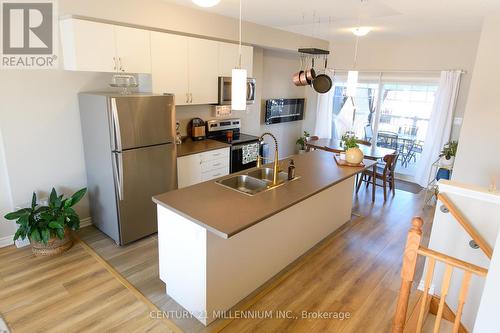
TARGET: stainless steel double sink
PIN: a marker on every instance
(255, 181)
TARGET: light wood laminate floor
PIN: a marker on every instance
(355, 270)
(73, 292)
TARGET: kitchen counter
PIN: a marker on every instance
(217, 245)
(189, 147)
(227, 212)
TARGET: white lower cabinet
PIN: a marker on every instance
(197, 168)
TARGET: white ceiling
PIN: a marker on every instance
(333, 18)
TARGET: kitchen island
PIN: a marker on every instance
(217, 245)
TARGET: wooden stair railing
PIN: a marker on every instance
(412, 250)
(455, 212)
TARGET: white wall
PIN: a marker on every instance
(478, 161)
(40, 124)
(414, 54)
(7, 228)
(487, 317)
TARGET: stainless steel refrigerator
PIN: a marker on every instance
(130, 156)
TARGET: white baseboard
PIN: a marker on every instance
(85, 222)
(8, 240)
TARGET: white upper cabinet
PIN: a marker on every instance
(169, 66)
(101, 47)
(228, 58)
(203, 74)
(133, 50)
(88, 46)
(184, 66)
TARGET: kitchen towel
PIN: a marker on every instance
(250, 153)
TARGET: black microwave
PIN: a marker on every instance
(225, 90)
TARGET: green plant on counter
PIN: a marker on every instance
(349, 141)
(40, 222)
(302, 140)
(449, 149)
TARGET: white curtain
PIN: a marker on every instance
(342, 122)
(324, 114)
(440, 123)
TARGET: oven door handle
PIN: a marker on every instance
(240, 146)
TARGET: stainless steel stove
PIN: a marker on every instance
(244, 147)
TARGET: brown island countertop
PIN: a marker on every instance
(189, 147)
(227, 212)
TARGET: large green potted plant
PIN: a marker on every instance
(353, 154)
(48, 226)
(301, 142)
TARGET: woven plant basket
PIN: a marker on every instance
(55, 246)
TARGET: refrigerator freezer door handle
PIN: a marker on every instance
(119, 174)
(116, 125)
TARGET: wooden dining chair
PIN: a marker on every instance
(364, 142)
(311, 138)
(385, 173)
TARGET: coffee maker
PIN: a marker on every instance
(196, 129)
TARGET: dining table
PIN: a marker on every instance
(370, 152)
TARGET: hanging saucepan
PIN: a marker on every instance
(296, 77)
(310, 73)
(303, 78)
(323, 83)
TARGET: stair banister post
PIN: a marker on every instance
(407, 273)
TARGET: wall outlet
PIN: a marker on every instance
(457, 121)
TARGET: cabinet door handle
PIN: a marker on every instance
(216, 164)
(187, 98)
(190, 98)
(114, 63)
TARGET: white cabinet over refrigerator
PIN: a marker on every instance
(101, 47)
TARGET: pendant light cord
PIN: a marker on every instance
(355, 53)
(239, 46)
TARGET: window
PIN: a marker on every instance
(401, 123)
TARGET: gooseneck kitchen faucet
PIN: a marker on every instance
(276, 165)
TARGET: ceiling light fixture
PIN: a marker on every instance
(361, 31)
(206, 3)
(239, 81)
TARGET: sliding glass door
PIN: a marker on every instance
(398, 121)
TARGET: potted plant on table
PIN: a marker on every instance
(301, 142)
(353, 154)
(48, 226)
(447, 156)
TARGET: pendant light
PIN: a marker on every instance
(206, 3)
(239, 81)
(352, 75)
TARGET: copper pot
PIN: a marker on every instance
(299, 78)
(296, 78)
(310, 73)
(303, 78)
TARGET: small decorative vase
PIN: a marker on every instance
(354, 155)
(302, 151)
(54, 246)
